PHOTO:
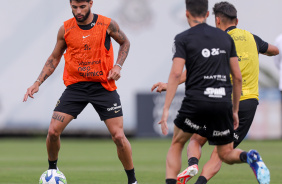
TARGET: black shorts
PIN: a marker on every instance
(78, 95)
(247, 110)
(212, 120)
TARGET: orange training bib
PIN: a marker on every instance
(86, 57)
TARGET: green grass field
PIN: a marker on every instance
(94, 161)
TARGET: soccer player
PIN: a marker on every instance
(89, 76)
(278, 62)
(209, 56)
(248, 46)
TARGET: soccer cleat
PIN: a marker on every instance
(259, 168)
(187, 174)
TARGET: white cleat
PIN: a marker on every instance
(187, 174)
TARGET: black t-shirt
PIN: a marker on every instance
(261, 45)
(207, 52)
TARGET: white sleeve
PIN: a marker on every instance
(278, 58)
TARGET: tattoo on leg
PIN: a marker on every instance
(58, 117)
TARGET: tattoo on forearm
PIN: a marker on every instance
(47, 70)
(50, 64)
(40, 76)
(45, 77)
(58, 117)
(123, 54)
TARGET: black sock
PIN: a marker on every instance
(201, 180)
(52, 164)
(193, 161)
(243, 157)
(131, 176)
(170, 181)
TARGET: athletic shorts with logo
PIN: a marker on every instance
(76, 96)
(212, 120)
(246, 114)
(247, 110)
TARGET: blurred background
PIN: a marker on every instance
(28, 36)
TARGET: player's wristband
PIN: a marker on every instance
(119, 65)
(38, 81)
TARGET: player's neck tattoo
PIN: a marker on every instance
(198, 22)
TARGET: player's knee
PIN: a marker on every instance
(119, 139)
(197, 139)
(53, 135)
(195, 142)
(178, 142)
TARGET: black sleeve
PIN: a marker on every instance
(108, 41)
(261, 45)
(179, 48)
(233, 52)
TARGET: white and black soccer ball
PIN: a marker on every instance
(52, 176)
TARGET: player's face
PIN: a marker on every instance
(81, 10)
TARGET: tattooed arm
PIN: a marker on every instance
(50, 65)
(54, 59)
(118, 35)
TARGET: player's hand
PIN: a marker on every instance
(30, 91)
(114, 73)
(235, 120)
(163, 123)
(160, 87)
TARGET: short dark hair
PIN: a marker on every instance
(80, 1)
(225, 10)
(197, 8)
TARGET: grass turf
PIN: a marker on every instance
(94, 161)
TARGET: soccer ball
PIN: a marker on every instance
(52, 176)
